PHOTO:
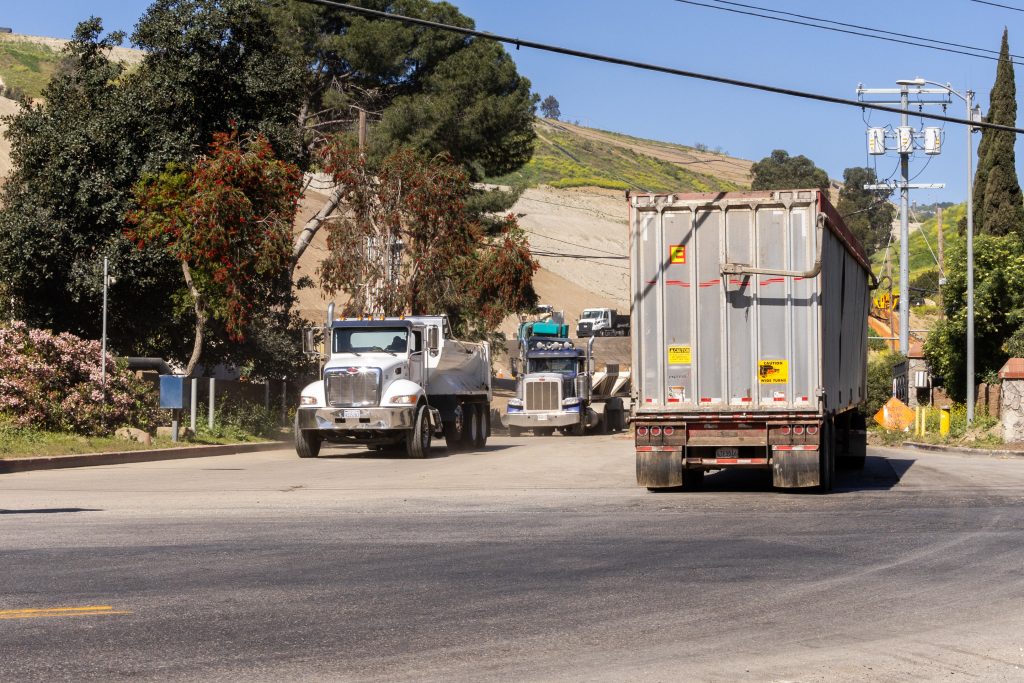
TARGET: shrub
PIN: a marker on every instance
(52, 382)
(240, 421)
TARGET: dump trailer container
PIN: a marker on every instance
(750, 336)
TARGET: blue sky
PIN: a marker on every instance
(742, 122)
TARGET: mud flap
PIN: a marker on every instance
(660, 469)
(795, 469)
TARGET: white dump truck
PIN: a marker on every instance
(750, 337)
(395, 381)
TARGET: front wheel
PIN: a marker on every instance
(417, 441)
(307, 443)
(483, 411)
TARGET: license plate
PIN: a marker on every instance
(353, 413)
(542, 418)
(727, 452)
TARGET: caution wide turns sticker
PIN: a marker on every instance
(773, 371)
(680, 355)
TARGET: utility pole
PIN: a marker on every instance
(905, 137)
(941, 246)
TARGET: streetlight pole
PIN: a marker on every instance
(972, 115)
(970, 259)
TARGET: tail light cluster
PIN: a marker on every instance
(660, 435)
(793, 434)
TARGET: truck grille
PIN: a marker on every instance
(542, 395)
(353, 389)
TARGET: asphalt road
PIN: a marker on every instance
(538, 559)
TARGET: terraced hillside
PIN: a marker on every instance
(568, 155)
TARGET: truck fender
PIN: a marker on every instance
(401, 387)
(316, 390)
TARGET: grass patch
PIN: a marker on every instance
(27, 67)
(34, 443)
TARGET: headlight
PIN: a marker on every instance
(572, 401)
(516, 402)
(408, 399)
(307, 401)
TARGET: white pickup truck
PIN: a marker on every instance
(392, 381)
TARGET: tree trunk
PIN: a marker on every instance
(200, 308)
(305, 237)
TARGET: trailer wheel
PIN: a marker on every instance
(454, 429)
(417, 440)
(827, 456)
(307, 443)
(482, 413)
(693, 480)
(471, 420)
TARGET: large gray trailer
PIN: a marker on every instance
(750, 337)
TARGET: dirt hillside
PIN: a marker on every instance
(7, 108)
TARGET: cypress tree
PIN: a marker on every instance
(998, 202)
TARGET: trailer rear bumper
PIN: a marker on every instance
(355, 419)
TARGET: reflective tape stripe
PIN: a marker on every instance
(795, 448)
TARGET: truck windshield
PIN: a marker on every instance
(591, 314)
(552, 365)
(368, 340)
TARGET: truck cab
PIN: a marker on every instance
(553, 390)
(391, 381)
(602, 322)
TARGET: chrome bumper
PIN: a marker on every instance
(358, 419)
(541, 420)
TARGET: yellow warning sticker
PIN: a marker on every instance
(773, 371)
(680, 355)
(677, 253)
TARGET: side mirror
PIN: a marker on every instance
(433, 338)
(310, 345)
(515, 367)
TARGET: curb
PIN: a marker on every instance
(126, 457)
(962, 450)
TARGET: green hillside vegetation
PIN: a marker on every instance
(25, 67)
(562, 159)
(922, 265)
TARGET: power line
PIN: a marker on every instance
(996, 4)
(607, 59)
(573, 244)
(864, 28)
(839, 30)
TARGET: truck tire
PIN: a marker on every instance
(417, 440)
(827, 456)
(578, 429)
(307, 443)
(483, 411)
(693, 480)
(471, 420)
(454, 429)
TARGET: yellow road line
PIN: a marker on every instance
(88, 610)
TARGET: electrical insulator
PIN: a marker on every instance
(932, 140)
(906, 139)
(876, 141)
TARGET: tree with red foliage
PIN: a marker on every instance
(408, 244)
(228, 220)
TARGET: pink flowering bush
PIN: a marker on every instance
(52, 382)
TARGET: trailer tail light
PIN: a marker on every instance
(812, 430)
(785, 430)
(798, 430)
(655, 431)
(669, 431)
(642, 431)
